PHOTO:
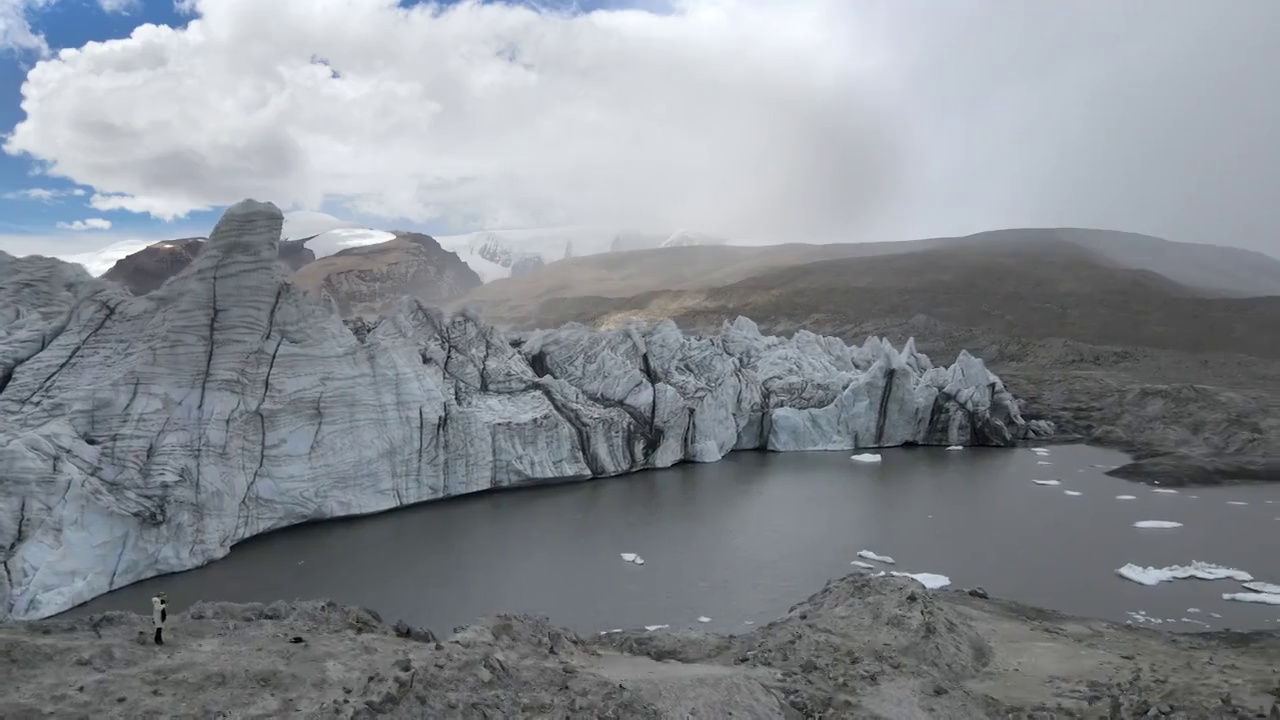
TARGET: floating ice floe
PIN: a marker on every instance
(748, 622)
(1157, 524)
(861, 564)
(652, 628)
(704, 619)
(1236, 502)
(632, 558)
(866, 458)
(1126, 497)
(1193, 610)
(932, 581)
(1165, 491)
(955, 447)
(1214, 615)
(1072, 493)
(1263, 587)
(1197, 570)
(1263, 598)
(611, 632)
(868, 555)
(1141, 617)
(1047, 482)
(1040, 451)
(1195, 622)
(1043, 462)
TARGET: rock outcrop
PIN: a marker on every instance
(493, 248)
(368, 280)
(146, 435)
(150, 267)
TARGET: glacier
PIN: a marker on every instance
(147, 435)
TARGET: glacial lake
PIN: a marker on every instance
(741, 540)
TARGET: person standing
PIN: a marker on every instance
(159, 615)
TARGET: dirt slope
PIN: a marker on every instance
(862, 647)
(1189, 385)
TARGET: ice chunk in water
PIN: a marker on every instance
(867, 554)
(1047, 482)
(1072, 493)
(956, 447)
(1264, 598)
(652, 628)
(861, 564)
(932, 581)
(704, 619)
(865, 458)
(1263, 587)
(1165, 491)
(1157, 524)
(1198, 570)
(1126, 497)
(629, 557)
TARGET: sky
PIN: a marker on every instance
(130, 121)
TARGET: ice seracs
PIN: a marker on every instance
(146, 435)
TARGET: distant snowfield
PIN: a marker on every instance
(327, 234)
(98, 262)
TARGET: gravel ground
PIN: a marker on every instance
(862, 647)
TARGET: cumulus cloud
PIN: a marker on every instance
(723, 115)
(86, 224)
(16, 32)
(821, 120)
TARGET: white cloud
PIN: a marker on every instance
(823, 119)
(119, 6)
(86, 224)
(45, 195)
(727, 116)
(15, 26)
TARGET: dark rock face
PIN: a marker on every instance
(497, 251)
(526, 264)
(149, 268)
(296, 254)
(364, 280)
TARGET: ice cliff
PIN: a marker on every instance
(147, 435)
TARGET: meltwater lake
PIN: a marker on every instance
(742, 540)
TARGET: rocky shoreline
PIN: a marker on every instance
(862, 647)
